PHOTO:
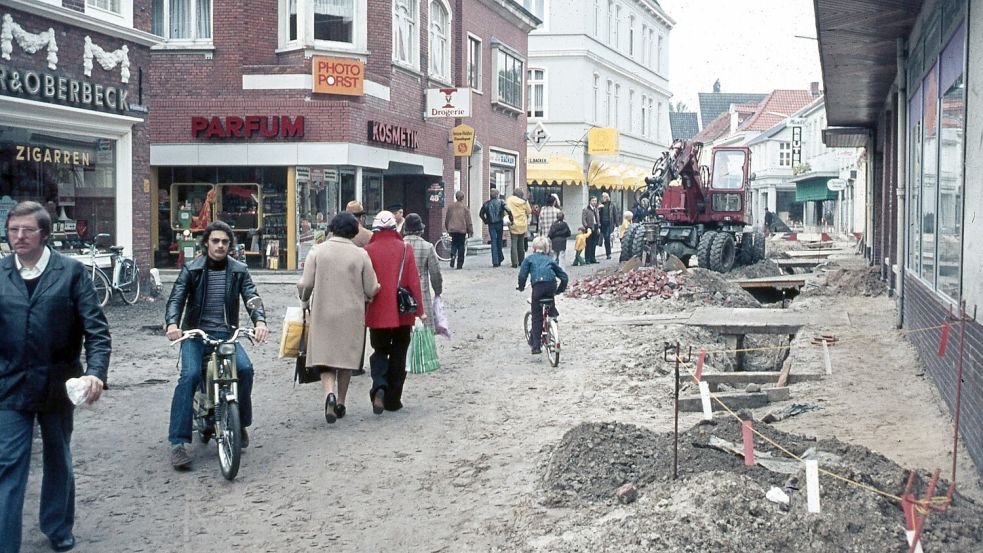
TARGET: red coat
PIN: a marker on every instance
(385, 250)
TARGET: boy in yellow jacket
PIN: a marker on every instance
(580, 244)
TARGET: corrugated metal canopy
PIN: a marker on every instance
(858, 54)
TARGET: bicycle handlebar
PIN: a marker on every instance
(248, 332)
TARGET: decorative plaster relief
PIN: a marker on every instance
(30, 42)
(108, 60)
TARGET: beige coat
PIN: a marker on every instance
(338, 279)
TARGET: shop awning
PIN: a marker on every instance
(616, 176)
(813, 190)
(553, 169)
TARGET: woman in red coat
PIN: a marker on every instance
(389, 331)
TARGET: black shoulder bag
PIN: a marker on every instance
(303, 374)
(405, 301)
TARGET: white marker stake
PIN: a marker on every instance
(812, 484)
(829, 364)
(705, 396)
(911, 536)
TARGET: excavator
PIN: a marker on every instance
(695, 210)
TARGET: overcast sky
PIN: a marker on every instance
(749, 45)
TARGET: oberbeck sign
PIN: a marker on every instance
(448, 102)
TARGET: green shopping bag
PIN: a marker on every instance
(423, 351)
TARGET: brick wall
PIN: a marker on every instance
(922, 309)
(71, 42)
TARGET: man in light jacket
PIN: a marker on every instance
(457, 221)
(520, 210)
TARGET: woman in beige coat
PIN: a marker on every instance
(338, 280)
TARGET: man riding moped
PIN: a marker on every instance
(207, 291)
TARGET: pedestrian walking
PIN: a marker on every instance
(520, 211)
(207, 292)
(548, 215)
(589, 219)
(364, 235)
(337, 282)
(609, 218)
(389, 330)
(49, 310)
(397, 211)
(493, 214)
(558, 235)
(427, 264)
(457, 221)
(580, 245)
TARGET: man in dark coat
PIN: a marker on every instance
(49, 310)
(589, 220)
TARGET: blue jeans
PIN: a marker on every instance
(495, 229)
(57, 513)
(193, 351)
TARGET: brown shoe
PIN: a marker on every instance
(180, 458)
(379, 401)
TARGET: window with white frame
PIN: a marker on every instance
(324, 24)
(645, 44)
(597, 19)
(108, 5)
(611, 22)
(182, 20)
(651, 115)
(631, 35)
(659, 54)
(784, 154)
(616, 41)
(596, 113)
(652, 60)
(645, 116)
(631, 111)
(509, 72)
(474, 63)
(658, 121)
(536, 94)
(610, 104)
(440, 41)
(617, 106)
(536, 7)
(406, 38)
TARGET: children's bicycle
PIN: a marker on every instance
(550, 331)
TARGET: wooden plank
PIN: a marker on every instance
(751, 320)
(736, 400)
(783, 376)
(741, 379)
(641, 320)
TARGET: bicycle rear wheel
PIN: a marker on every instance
(129, 291)
(101, 284)
(442, 248)
(527, 324)
(228, 434)
(552, 342)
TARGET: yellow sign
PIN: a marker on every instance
(463, 138)
(338, 76)
(602, 141)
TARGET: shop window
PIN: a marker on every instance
(73, 177)
(371, 194)
(440, 41)
(930, 175)
(183, 20)
(324, 24)
(951, 177)
(406, 38)
(239, 205)
(510, 72)
(192, 205)
(914, 182)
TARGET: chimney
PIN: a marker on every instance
(814, 88)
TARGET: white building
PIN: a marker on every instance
(595, 63)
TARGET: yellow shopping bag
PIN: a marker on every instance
(295, 329)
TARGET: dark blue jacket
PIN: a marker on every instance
(188, 294)
(540, 267)
(42, 334)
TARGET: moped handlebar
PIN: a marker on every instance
(247, 332)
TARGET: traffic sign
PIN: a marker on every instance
(539, 136)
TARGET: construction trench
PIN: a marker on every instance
(767, 344)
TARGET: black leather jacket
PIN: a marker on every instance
(188, 290)
(42, 335)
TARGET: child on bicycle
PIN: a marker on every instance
(543, 273)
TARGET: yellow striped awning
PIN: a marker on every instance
(553, 169)
(616, 176)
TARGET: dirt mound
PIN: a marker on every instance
(705, 287)
(718, 504)
(763, 268)
(841, 281)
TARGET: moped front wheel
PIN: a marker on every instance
(228, 434)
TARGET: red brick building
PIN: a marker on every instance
(73, 136)
(273, 115)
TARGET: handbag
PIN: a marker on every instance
(302, 373)
(405, 301)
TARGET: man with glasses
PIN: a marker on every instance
(49, 309)
(207, 291)
(364, 235)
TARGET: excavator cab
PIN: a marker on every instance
(728, 184)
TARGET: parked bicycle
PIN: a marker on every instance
(215, 405)
(550, 331)
(442, 247)
(126, 276)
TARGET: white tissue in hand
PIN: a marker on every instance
(78, 390)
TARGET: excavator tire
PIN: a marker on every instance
(626, 242)
(703, 249)
(638, 242)
(722, 253)
(752, 249)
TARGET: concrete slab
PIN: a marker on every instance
(641, 320)
(745, 320)
(742, 379)
(736, 400)
(780, 282)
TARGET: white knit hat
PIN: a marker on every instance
(384, 220)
